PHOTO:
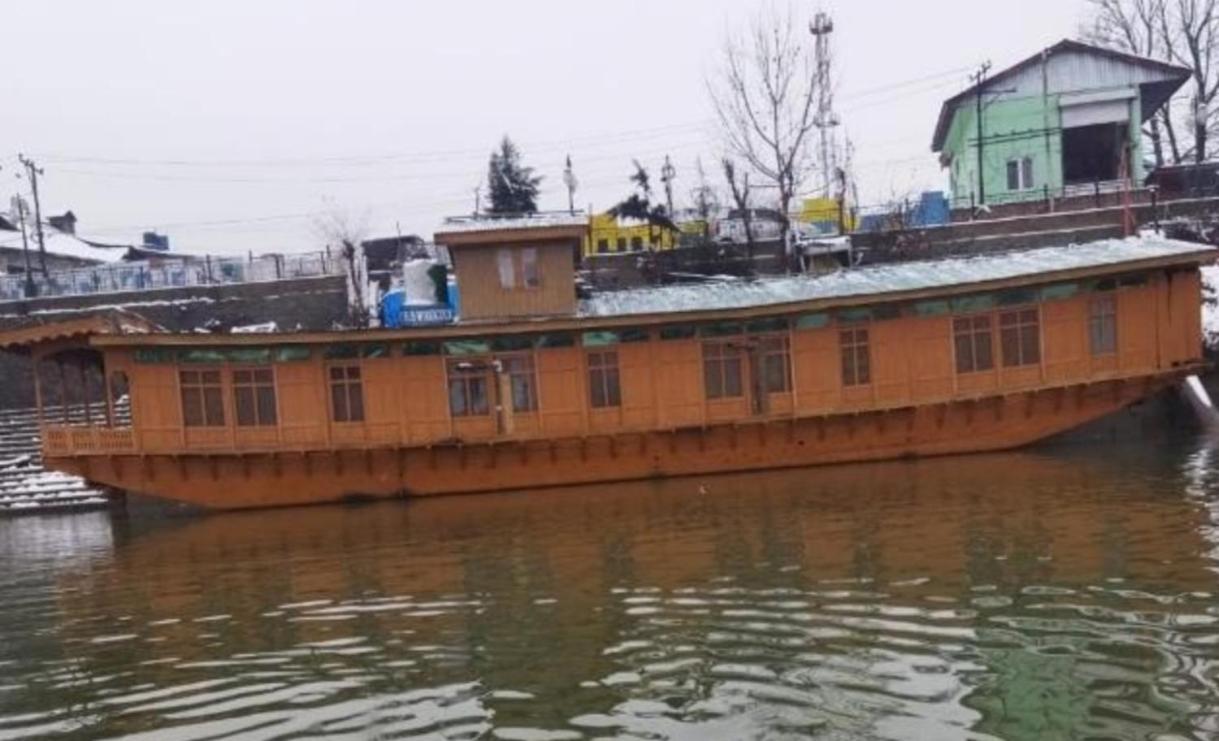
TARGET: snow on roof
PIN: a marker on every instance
(65, 245)
(883, 279)
(468, 224)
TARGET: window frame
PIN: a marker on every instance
(523, 378)
(977, 326)
(201, 386)
(855, 345)
(767, 355)
(464, 378)
(1026, 333)
(254, 387)
(718, 357)
(1102, 325)
(604, 378)
(346, 383)
(1022, 170)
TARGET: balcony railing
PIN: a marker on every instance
(67, 440)
(172, 273)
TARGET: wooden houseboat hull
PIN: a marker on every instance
(284, 478)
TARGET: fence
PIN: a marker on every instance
(171, 273)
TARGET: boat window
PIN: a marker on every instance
(292, 353)
(531, 277)
(720, 329)
(1131, 281)
(848, 316)
(507, 271)
(561, 339)
(603, 382)
(509, 343)
(775, 364)
(154, 355)
(1059, 291)
(346, 393)
(1105, 284)
(1018, 297)
(1102, 325)
(469, 387)
(202, 398)
(254, 397)
(599, 339)
(467, 347)
(813, 321)
(856, 359)
(721, 370)
(341, 352)
(773, 324)
(973, 304)
(422, 347)
(677, 332)
(932, 308)
(120, 398)
(259, 355)
(523, 382)
(886, 311)
(633, 335)
(202, 355)
(1020, 337)
(374, 351)
(973, 342)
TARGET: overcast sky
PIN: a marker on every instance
(230, 124)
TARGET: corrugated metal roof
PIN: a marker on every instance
(888, 279)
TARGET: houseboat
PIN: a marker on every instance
(533, 386)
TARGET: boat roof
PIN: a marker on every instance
(766, 297)
(460, 231)
(112, 321)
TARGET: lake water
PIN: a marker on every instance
(1066, 594)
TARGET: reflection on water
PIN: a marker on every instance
(1017, 596)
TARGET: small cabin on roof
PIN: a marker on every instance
(515, 268)
(1068, 118)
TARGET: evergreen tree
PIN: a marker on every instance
(513, 187)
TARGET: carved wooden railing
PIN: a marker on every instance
(58, 440)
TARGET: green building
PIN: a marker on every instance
(1066, 121)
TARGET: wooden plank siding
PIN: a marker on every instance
(406, 399)
(477, 268)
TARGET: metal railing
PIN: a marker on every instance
(171, 272)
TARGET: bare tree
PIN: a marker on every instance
(1183, 32)
(339, 229)
(765, 98)
(1136, 27)
(738, 186)
(706, 199)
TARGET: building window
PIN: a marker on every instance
(1020, 337)
(775, 364)
(254, 397)
(721, 370)
(1102, 325)
(468, 389)
(856, 362)
(622, 244)
(636, 244)
(1020, 174)
(530, 275)
(974, 340)
(202, 398)
(602, 246)
(522, 381)
(346, 393)
(603, 386)
(507, 271)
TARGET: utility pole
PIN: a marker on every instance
(478, 190)
(667, 175)
(821, 27)
(569, 180)
(979, 79)
(34, 171)
(20, 207)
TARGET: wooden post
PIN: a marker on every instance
(63, 392)
(108, 395)
(84, 392)
(36, 358)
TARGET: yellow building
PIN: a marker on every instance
(610, 235)
(822, 213)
